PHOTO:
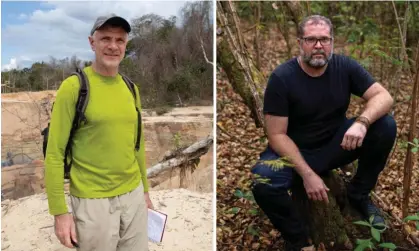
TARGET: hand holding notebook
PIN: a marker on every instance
(156, 225)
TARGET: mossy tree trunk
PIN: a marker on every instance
(325, 221)
(234, 58)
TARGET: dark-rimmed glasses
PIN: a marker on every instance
(313, 40)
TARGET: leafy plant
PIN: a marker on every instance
(415, 145)
(177, 140)
(259, 179)
(248, 205)
(277, 164)
(252, 231)
(414, 217)
(248, 201)
(372, 243)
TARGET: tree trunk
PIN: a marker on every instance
(326, 221)
(234, 58)
(257, 36)
(296, 11)
(284, 29)
(408, 165)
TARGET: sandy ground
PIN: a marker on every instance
(27, 226)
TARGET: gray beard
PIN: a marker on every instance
(316, 63)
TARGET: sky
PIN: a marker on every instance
(35, 31)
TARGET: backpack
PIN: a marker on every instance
(79, 117)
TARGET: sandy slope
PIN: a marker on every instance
(27, 226)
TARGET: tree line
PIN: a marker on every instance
(169, 59)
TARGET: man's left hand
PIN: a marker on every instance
(148, 201)
(354, 137)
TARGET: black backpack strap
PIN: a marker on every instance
(83, 98)
(79, 117)
(131, 87)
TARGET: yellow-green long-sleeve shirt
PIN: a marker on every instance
(105, 162)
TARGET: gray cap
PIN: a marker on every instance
(113, 20)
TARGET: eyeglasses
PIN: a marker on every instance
(313, 40)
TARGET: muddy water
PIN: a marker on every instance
(21, 152)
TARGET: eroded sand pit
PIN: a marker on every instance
(27, 226)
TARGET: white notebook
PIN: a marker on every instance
(156, 225)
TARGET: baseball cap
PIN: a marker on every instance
(111, 19)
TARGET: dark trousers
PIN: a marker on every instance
(273, 197)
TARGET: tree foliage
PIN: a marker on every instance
(368, 30)
(164, 56)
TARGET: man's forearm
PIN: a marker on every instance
(140, 155)
(143, 171)
(377, 107)
(59, 131)
(285, 147)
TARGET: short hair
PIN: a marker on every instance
(315, 19)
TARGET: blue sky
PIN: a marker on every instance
(35, 31)
(16, 13)
(12, 10)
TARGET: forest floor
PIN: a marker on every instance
(240, 223)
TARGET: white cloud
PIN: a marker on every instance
(63, 30)
(22, 16)
(19, 62)
(11, 65)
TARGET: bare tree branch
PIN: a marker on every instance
(404, 54)
(193, 151)
(203, 51)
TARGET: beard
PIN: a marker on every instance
(314, 62)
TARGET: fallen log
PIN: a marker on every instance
(173, 159)
(191, 153)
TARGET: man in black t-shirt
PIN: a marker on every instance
(305, 103)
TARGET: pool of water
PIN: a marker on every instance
(17, 153)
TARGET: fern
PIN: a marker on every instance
(259, 179)
(277, 164)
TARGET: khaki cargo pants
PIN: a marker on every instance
(112, 224)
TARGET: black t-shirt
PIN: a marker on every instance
(315, 106)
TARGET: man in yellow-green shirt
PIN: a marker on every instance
(108, 178)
